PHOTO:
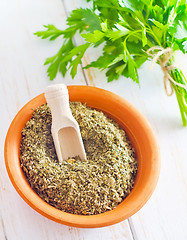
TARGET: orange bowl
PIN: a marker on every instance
(142, 139)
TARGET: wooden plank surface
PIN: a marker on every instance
(23, 76)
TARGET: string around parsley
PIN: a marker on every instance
(166, 66)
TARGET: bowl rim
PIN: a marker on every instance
(104, 219)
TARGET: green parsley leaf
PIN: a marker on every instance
(93, 37)
(51, 32)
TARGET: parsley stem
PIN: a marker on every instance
(138, 36)
(181, 94)
(149, 30)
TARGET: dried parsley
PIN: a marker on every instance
(77, 186)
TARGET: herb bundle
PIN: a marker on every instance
(132, 32)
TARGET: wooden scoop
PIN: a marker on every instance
(65, 129)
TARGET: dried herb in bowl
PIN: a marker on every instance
(77, 186)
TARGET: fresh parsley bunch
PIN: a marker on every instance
(131, 31)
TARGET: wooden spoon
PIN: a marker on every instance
(65, 129)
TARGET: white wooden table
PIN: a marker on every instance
(23, 76)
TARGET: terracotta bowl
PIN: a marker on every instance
(139, 132)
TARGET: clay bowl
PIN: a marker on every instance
(139, 132)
